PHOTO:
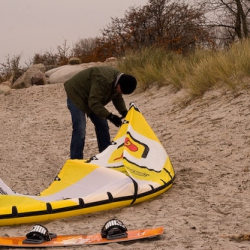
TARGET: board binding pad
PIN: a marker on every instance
(76, 240)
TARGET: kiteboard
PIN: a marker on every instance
(76, 240)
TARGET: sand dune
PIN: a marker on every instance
(208, 142)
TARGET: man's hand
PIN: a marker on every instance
(124, 113)
(116, 120)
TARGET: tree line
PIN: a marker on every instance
(171, 25)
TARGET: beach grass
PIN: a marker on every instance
(197, 72)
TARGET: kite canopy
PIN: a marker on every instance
(134, 168)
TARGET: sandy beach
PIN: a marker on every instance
(208, 142)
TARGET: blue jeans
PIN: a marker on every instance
(79, 131)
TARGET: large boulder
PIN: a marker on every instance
(64, 73)
(31, 76)
(38, 78)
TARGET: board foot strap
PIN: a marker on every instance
(38, 234)
(114, 229)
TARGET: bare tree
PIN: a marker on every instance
(63, 53)
(48, 58)
(11, 68)
(228, 17)
(84, 48)
(51, 59)
(164, 23)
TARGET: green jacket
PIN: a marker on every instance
(91, 89)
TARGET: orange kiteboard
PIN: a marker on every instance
(75, 240)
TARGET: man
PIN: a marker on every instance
(87, 94)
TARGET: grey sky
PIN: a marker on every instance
(35, 26)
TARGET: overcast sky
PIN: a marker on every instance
(35, 26)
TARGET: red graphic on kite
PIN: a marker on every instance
(132, 147)
(118, 158)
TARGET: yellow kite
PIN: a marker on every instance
(134, 168)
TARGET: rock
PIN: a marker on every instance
(112, 61)
(7, 83)
(74, 60)
(4, 89)
(64, 73)
(39, 79)
(24, 81)
(39, 66)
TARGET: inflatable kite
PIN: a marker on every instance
(134, 168)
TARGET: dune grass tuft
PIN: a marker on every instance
(197, 72)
